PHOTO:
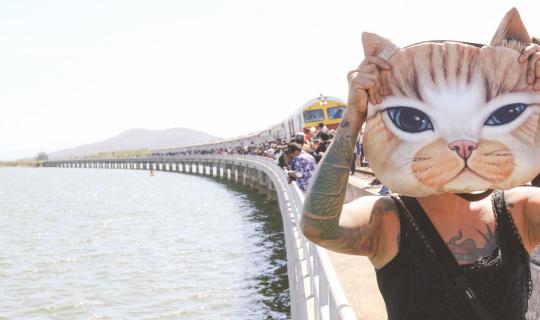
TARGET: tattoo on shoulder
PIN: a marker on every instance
(381, 208)
(366, 238)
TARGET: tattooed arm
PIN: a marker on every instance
(358, 227)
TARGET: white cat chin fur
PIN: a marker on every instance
(465, 182)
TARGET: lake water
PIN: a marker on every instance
(120, 244)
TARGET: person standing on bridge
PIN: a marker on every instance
(302, 165)
(447, 250)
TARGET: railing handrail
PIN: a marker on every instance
(337, 294)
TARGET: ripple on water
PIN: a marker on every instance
(117, 244)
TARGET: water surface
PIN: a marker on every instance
(119, 244)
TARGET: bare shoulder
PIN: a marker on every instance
(369, 211)
(370, 203)
(520, 197)
(379, 219)
(522, 193)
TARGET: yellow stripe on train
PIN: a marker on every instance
(328, 110)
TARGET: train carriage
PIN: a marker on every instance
(326, 109)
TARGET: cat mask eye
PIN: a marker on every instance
(456, 116)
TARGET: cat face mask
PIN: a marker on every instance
(455, 117)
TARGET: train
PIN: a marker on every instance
(322, 109)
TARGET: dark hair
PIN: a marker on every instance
(292, 147)
(325, 136)
(299, 138)
(321, 124)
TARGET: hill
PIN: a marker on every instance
(135, 139)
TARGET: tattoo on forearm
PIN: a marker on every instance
(466, 251)
(329, 183)
(341, 150)
(326, 195)
(344, 124)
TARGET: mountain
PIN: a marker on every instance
(135, 139)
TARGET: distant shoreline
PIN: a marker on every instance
(22, 163)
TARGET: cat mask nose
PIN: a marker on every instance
(463, 148)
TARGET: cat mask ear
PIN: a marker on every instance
(511, 32)
(375, 45)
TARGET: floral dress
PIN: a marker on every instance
(304, 165)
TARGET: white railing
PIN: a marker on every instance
(315, 290)
(330, 301)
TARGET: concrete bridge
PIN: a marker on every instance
(323, 285)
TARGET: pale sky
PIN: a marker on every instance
(76, 72)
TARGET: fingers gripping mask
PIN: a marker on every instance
(455, 117)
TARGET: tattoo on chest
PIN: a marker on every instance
(466, 251)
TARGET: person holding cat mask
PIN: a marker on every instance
(447, 123)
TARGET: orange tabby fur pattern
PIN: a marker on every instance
(455, 117)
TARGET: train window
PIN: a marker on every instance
(335, 112)
(313, 115)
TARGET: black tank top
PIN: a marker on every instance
(415, 286)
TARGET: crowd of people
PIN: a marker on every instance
(299, 155)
